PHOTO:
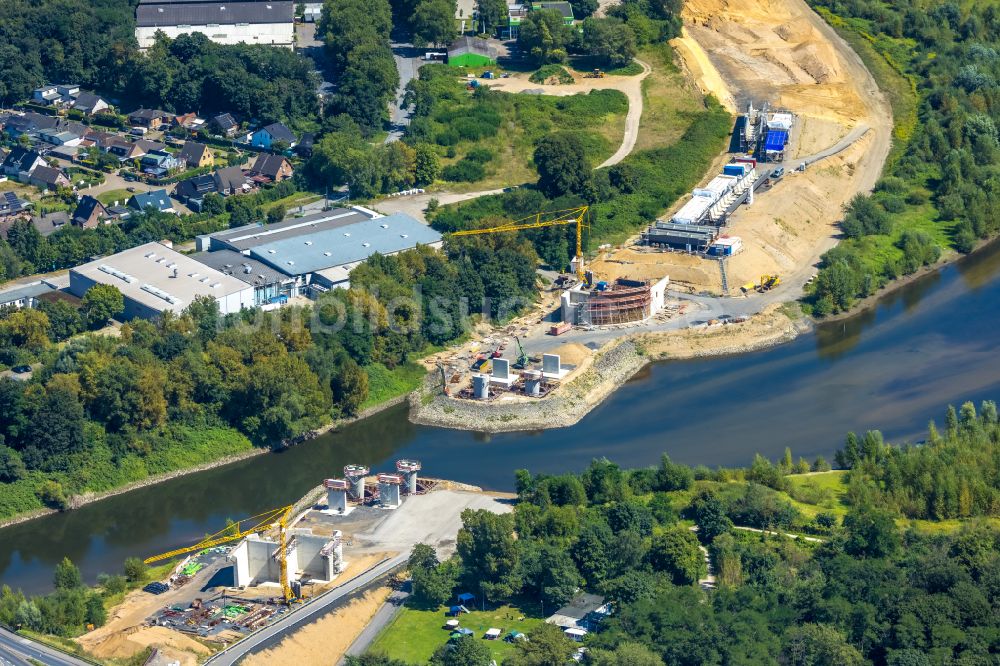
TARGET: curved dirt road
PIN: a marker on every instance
(630, 86)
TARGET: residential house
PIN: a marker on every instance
(56, 94)
(305, 145)
(29, 123)
(158, 163)
(272, 134)
(193, 190)
(59, 137)
(118, 212)
(49, 223)
(270, 168)
(153, 119)
(21, 163)
(90, 103)
(11, 204)
(231, 180)
(89, 213)
(225, 125)
(196, 155)
(189, 121)
(121, 148)
(48, 178)
(156, 199)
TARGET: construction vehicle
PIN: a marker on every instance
(541, 220)
(483, 363)
(596, 74)
(239, 530)
(522, 357)
(768, 282)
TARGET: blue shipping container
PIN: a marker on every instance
(738, 170)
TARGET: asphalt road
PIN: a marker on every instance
(16, 650)
(311, 611)
(383, 616)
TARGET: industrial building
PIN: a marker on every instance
(620, 302)
(269, 22)
(154, 278)
(270, 287)
(317, 252)
(309, 557)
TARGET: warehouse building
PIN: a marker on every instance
(317, 252)
(153, 278)
(269, 22)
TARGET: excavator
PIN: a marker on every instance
(768, 282)
(522, 357)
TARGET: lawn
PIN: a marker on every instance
(415, 634)
(109, 197)
(669, 100)
(385, 384)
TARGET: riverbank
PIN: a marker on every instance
(606, 372)
(77, 501)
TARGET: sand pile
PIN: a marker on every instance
(128, 643)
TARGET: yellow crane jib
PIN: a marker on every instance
(239, 530)
(539, 220)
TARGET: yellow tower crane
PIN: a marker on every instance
(539, 220)
(239, 530)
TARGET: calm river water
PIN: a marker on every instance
(893, 367)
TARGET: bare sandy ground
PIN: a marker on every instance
(781, 52)
(326, 640)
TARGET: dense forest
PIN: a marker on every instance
(862, 591)
(938, 63)
(103, 410)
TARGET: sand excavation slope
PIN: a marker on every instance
(782, 53)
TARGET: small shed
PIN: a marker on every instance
(471, 52)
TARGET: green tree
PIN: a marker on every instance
(492, 13)
(276, 214)
(136, 570)
(350, 387)
(549, 572)
(818, 645)
(464, 652)
(11, 465)
(67, 576)
(709, 515)
(675, 553)
(626, 654)
(546, 646)
(610, 40)
(56, 431)
(433, 22)
(65, 320)
(871, 532)
(562, 164)
(489, 553)
(544, 36)
(427, 164)
(101, 303)
(97, 615)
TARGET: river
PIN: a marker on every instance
(892, 367)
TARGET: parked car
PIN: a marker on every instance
(778, 173)
(21, 369)
(156, 588)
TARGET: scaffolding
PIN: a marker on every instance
(623, 302)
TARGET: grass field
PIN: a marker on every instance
(415, 634)
(109, 197)
(385, 384)
(669, 100)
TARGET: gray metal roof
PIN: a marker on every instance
(345, 245)
(253, 235)
(30, 291)
(233, 263)
(151, 13)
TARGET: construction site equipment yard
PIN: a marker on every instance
(204, 613)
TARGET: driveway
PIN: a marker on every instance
(408, 60)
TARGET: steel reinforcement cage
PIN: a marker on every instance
(623, 302)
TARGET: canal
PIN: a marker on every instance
(893, 367)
